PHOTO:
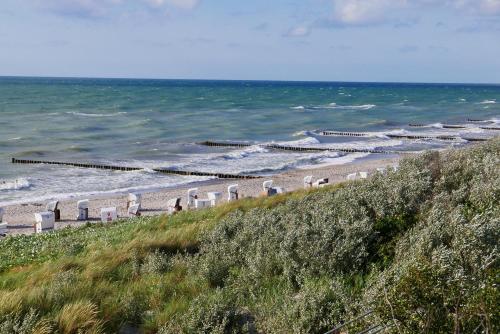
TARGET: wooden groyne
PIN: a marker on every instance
(299, 148)
(344, 134)
(390, 135)
(405, 136)
(408, 136)
(218, 175)
(489, 128)
(76, 164)
(223, 144)
(321, 149)
(444, 126)
(475, 120)
(128, 169)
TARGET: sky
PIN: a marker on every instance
(324, 40)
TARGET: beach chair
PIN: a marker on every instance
(3, 229)
(202, 203)
(134, 210)
(363, 175)
(108, 215)
(308, 181)
(320, 183)
(395, 168)
(269, 190)
(192, 195)
(53, 207)
(174, 206)
(214, 197)
(83, 209)
(381, 170)
(134, 199)
(267, 185)
(44, 221)
(3, 226)
(233, 193)
(352, 177)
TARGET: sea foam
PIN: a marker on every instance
(16, 184)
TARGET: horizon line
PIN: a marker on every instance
(251, 80)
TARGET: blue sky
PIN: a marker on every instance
(333, 40)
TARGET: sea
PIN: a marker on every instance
(160, 123)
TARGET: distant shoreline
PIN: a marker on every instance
(409, 83)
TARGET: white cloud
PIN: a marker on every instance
(299, 31)
(359, 12)
(363, 12)
(484, 7)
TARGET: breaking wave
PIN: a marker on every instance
(95, 115)
(16, 184)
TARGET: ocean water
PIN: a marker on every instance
(157, 124)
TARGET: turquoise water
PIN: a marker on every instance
(156, 123)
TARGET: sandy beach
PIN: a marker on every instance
(20, 217)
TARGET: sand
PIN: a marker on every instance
(21, 217)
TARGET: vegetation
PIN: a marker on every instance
(416, 250)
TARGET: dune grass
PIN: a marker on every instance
(418, 247)
(128, 266)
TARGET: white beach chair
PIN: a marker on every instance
(269, 190)
(134, 199)
(83, 209)
(3, 226)
(3, 229)
(134, 210)
(320, 183)
(395, 168)
(214, 197)
(53, 207)
(202, 203)
(352, 177)
(233, 192)
(108, 215)
(44, 221)
(363, 175)
(381, 170)
(308, 181)
(174, 206)
(192, 195)
(267, 185)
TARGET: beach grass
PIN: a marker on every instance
(418, 247)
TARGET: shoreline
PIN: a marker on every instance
(20, 217)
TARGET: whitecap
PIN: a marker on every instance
(302, 133)
(304, 141)
(16, 184)
(15, 138)
(298, 108)
(351, 107)
(335, 160)
(95, 115)
(488, 102)
(244, 153)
